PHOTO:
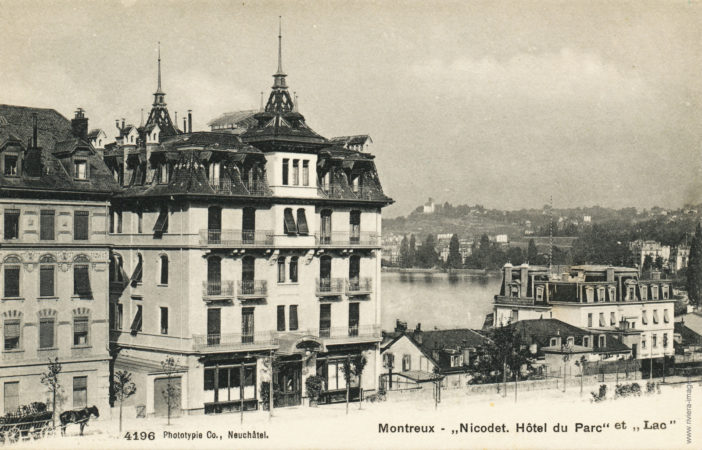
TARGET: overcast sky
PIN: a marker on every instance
(498, 103)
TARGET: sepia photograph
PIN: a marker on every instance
(350, 224)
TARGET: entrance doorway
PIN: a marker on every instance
(161, 396)
(288, 380)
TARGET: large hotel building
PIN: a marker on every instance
(223, 250)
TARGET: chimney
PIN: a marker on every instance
(117, 124)
(34, 130)
(175, 121)
(79, 124)
(417, 333)
(185, 125)
(122, 123)
(507, 278)
(400, 326)
(190, 121)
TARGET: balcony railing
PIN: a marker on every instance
(348, 239)
(328, 287)
(336, 190)
(223, 288)
(514, 300)
(352, 331)
(359, 286)
(236, 238)
(223, 186)
(252, 289)
(233, 340)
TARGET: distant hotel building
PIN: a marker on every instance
(604, 300)
(54, 197)
(260, 238)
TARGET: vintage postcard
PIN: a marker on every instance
(350, 224)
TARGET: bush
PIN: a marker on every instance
(265, 394)
(601, 395)
(626, 390)
(314, 386)
(650, 387)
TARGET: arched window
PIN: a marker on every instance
(293, 269)
(163, 279)
(281, 269)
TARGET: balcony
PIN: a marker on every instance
(517, 301)
(352, 333)
(336, 190)
(234, 341)
(347, 239)
(236, 238)
(359, 286)
(330, 287)
(223, 186)
(252, 289)
(212, 289)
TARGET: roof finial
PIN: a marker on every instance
(159, 67)
(280, 44)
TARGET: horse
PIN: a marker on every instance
(79, 416)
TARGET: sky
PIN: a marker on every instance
(503, 104)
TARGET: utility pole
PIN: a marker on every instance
(270, 391)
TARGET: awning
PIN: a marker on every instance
(296, 344)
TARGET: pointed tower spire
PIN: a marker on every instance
(158, 89)
(280, 45)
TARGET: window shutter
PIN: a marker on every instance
(289, 222)
(12, 275)
(136, 276)
(80, 225)
(46, 281)
(302, 227)
(161, 225)
(46, 333)
(81, 280)
(136, 323)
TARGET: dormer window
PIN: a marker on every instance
(163, 173)
(11, 166)
(80, 170)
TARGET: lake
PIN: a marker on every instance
(437, 300)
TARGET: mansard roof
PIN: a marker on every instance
(42, 169)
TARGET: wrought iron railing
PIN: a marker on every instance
(225, 186)
(236, 238)
(215, 288)
(233, 340)
(330, 286)
(345, 238)
(252, 289)
(358, 285)
(354, 330)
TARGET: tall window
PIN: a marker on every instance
(164, 320)
(10, 165)
(80, 392)
(589, 319)
(355, 224)
(81, 328)
(326, 226)
(247, 325)
(354, 272)
(161, 225)
(281, 269)
(654, 340)
(612, 318)
(296, 172)
(80, 170)
(46, 280)
(46, 332)
(140, 221)
(11, 396)
(214, 275)
(163, 279)
(305, 173)
(406, 363)
(80, 225)
(214, 326)
(11, 334)
(289, 226)
(353, 318)
(293, 269)
(324, 320)
(138, 320)
(293, 318)
(302, 227)
(286, 162)
(602, 320)
(603, 341)
(12, 281)
(46, 223)
(163, 173)
(325, 272)
(81, 280)
(120, 315)
(281, 317)
(11, 230)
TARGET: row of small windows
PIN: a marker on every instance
(47, 280)
(47, 224)
(296, 172)
(117, 318)
(11, 167)
(654, 341)
(11, 394)
(613, 319)
(160, 227)
(12, 333)
(118, 274)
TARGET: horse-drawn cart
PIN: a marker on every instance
(32, 422)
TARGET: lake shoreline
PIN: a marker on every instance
(416, 270)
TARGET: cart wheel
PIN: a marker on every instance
(48, 431)
(13, 435)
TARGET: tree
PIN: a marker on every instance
(404, 252)
(172, 392)
(50, 379)
(426, 256)
(505, 352)
(454, 257)
(581, 364)
(647, 263)
(412, 251)
(389, 363)
(123, 389)
(532, 252)
(658, 263)
(694, 268)
(353, 367)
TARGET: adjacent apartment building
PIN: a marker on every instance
(54, 198)
(602, 299)
(229, 249)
